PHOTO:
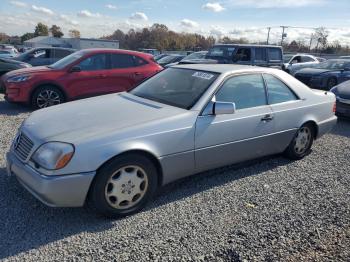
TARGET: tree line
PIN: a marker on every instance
(160, 37)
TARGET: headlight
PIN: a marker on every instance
(53, 155)
(17, 79)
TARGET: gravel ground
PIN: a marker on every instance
(271, 210)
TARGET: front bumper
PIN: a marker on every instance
(55, 191)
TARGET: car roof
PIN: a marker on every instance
(220, 68)
(118, 51)
(248, 45)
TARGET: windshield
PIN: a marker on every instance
(287, 58)
(197, 55)
(167, 59)
(225, 51)
(175, 86)
(60, 64)
(334, 64)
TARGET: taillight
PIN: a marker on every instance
(335, 107)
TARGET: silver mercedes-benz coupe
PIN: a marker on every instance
(114, 151)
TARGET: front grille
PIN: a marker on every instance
(22, 146)
(304, 79)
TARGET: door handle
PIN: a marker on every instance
(267, 118)
(102, 76)
(137, 73)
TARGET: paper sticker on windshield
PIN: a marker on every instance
(203, 75)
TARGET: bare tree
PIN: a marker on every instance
(321, 35)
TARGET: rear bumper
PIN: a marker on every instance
(56, 191)
(326, 126)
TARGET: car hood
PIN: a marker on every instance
(313, 71)
(11, 61)
(92, 118)
(29, 70)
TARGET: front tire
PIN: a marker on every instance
(123, 186)
(46, 96)
(302, 142)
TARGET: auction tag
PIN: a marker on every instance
(203, 75)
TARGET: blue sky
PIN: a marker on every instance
(235, 18)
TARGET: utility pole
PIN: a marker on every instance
(268, 35)
(283, 34)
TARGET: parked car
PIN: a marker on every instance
(342, 93)
(325, 75)
(258, 55)
(157, 57)
(114, 151)
(190, 59)
(44, 56)
(86, 73)
(7, 65)
(293, 63)
(7, 53)
(170, 59)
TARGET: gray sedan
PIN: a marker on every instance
(115, 151)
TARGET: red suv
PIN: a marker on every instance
(82, 74)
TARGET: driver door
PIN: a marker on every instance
(231, 138)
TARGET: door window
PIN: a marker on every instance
(122, 61)
(278, 92)
(243, 55)
(245, 91)
(139, 61)
(260, 54)
(305, 59)
(93, 63)
(60, 53)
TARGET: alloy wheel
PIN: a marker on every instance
(48, 98)
(302, 140)
(126, 187)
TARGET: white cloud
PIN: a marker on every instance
(67, 20)
(109, 6)
(217, 31)
(276, 3)
(188, 23)
(42, 10)
(18, 3)
(215, 7)
(87, 13)
(139, 16)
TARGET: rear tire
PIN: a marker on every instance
(123, 186)
(301, 143)
(46, 96)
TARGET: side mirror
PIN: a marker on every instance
(221, 108)
(75, 69)
(294, 62)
